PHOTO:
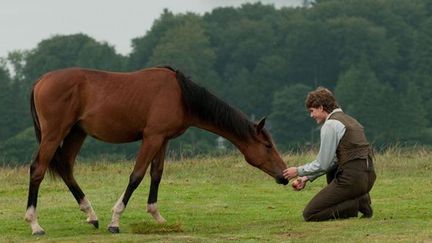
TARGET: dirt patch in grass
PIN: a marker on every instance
(152, 228)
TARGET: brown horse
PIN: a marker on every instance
(152, 105)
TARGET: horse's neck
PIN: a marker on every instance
(240, 143)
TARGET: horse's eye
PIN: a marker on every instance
(268, 145)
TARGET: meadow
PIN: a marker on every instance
(221, 199)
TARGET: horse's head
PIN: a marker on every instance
(261, 152)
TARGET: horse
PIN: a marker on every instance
(152, 105)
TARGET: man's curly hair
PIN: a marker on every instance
(321, 97)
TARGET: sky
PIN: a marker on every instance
(24, 23)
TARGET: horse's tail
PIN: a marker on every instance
(35, 117)
(55, 167)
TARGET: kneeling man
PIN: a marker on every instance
(345, 156)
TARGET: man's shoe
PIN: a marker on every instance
(367, 211)
(365, 207)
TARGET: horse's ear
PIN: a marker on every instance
(260, 125)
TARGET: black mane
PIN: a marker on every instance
(207, 107)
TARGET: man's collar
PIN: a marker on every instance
(334, 111)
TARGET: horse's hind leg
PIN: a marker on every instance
(149, 149)
(156, 171)
(68, 152)
(47, 149)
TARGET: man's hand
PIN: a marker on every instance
(290, 173)
(299, 183)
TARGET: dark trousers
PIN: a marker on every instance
(348, 187)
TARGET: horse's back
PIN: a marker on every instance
(108, 105)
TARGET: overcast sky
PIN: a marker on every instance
(24, 23)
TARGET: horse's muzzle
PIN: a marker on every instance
(281, 180)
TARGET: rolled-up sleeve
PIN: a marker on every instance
(331, 133)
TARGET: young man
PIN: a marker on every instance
(345, 156)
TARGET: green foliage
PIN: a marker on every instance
(291, 125)
(376, 55)
(17, 59)
(412, 115)
(19, 149)
(358, 39)
(13, 96)
(99, 56)
(187, 48)
(372, 103)
(63, 51)
(422, 62)
(5, 102)
(142, 47)
(310, 53)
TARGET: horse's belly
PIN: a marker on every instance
(111, 131)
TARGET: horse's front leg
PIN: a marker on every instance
(148, 150)
(156, 171)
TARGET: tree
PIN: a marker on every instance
(290, 124)
(142, 47)
(396, 21)
(17, 60)
(310, 52)
(19, 149)
(63, 51)
(422, 63)
(412, 116)
(267, 78)
(243, 39)
(187, 48)
(6, 103)
(100, 56)
(358, 38)
(361, 95)
(15, 101)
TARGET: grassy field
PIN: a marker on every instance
(221, 199)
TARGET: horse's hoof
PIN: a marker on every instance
(38, 233)
(114, 230)
(95, 223)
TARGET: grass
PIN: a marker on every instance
(221, 199)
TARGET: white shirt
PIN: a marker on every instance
(332, 132)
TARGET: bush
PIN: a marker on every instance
(19, 149)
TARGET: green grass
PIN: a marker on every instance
(221, 199)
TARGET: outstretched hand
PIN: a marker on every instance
(290, 173)
(299, 183)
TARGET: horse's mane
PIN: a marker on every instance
(207, 107)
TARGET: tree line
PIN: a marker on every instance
(375, 55)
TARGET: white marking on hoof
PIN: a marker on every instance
(152, 209)
(31, 218)
(87, 208)
(117, 211)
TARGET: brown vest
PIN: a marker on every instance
(353, 145)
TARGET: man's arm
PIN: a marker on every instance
(331, 133)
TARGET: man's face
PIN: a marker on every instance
(319, 114)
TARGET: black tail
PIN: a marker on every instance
(56, 168)
(36, 124)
